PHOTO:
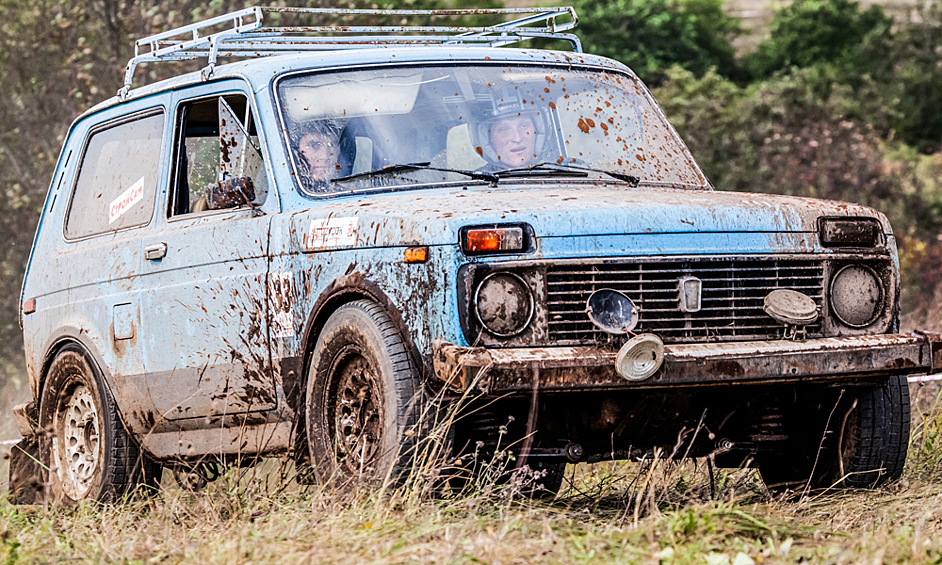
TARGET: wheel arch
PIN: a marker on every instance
(57, 344)
(344, 290)
(65, 339)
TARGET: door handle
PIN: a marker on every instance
(155, 251)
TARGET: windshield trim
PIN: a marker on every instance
(565, 65)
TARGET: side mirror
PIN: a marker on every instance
(230, 193)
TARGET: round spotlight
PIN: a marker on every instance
(790, 307)
(640, 357)
(503, 304)
(611, 311)
(856, 295)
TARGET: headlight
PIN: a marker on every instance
(503, 304)
(857, 296)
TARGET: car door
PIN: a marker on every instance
(203, 293)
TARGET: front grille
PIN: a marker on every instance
(733, 293)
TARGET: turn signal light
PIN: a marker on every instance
(485, 240)
(416, 255)
(849, 232)
(29, 306)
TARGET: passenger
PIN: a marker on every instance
(514, 140)
(319, 155)
(514, 134)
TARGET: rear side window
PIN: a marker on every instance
(117, 179)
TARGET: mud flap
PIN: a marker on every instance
(27, 476)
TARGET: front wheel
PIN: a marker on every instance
(362, 396)
(90, 456)
(864, 445)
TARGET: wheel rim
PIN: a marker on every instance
(357, 415)
(76, 443)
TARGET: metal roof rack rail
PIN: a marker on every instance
(248, 38)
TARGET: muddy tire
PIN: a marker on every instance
(865, 445)
(362, 397)
(89, 454)
(551, 481)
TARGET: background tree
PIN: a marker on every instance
(652, 35)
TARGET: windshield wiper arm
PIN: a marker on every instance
(573, 169)
(404, 167)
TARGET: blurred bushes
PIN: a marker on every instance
(652, 35)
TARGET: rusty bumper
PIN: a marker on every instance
(592, 368)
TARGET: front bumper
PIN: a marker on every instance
(701, 364)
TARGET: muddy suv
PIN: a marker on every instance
(296, 253)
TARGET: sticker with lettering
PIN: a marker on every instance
(329, 233)
(128, 198)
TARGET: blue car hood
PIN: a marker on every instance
(573, 219)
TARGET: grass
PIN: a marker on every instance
(617, 512)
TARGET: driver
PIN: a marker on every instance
(319, 155)
(514, 133)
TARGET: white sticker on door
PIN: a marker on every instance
(128, 198)
(329, 233)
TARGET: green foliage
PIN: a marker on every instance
(918, 78)
(833, 32)
(652, 35)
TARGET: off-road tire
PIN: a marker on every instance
(865, 446)
(119, 464)
(361, 391)
(552, 481)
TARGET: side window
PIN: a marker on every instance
(218, 162)
(117, 178)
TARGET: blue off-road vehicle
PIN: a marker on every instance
(300, 252)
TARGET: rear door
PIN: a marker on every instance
(204, 273)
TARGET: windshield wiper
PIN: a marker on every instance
(576, 170)
(405, 167)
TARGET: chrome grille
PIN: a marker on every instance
(733, 292)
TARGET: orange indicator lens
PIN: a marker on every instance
(416, 255)
(29, 306)
(494, 240)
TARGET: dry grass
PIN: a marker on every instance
(607, 513)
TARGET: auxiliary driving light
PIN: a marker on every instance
(790, 307)
(611, 311)
(640, 357)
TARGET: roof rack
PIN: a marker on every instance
(248, 38)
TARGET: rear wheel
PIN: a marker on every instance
(865, 445)
(89, 453)
(362, 396)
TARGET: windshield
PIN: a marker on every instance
(385, 128)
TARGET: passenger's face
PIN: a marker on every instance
(514, 140)
(319, 153)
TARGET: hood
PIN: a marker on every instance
(566, 213)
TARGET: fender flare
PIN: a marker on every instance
(74, 336)
(344, 289)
